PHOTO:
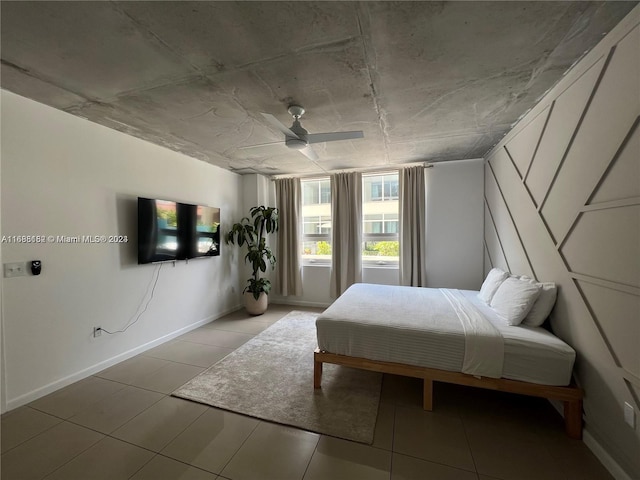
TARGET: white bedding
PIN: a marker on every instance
(418, 326)
(483, 345)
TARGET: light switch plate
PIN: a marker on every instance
(15, 269)
(629, 415)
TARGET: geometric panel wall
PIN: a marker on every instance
(615, 312)
(609, 116)
(521, 148)
(562, 198)
(567, 111)
(605, 244)
(515, 255)
(622, 181)
(493, 249)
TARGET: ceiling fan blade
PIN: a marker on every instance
(275, 123)
(261, 145)
(309, 153)
(334, 136)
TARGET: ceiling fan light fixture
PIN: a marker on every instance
(296, 143)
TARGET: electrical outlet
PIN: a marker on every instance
(97, 331)
(629, 415)
(16, 269)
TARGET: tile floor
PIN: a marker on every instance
(122, 424)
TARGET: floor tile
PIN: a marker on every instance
(47, 452)
(242, 326)
(216, 337)
(116, 410)
(383, 437)
(196, 354)
(409, 468)
(211, 441)
(169, 377)
(510, 436)
(241, 315)
(109, 459)
(401, 390)
(159, 424)
(338, 459)
(22, 424)
(165, 468)
(133, 370)
(433, 437)
(576, 460)
(272, 452)
(76, 397)
(523, 455)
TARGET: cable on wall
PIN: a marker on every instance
(154, 282)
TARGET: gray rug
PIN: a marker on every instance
(271, 378)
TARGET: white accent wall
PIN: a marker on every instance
(562, 203)
(62, 175)
(454, 224)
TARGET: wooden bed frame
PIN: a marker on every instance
(571, 396)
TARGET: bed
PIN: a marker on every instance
(448, 336)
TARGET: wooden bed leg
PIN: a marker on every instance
(573, 418)
(427, 394)
(317, 373)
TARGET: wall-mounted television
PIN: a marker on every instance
(169, 230)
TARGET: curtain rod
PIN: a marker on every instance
(386, 168)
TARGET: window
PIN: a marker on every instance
(380, 206)
(380, 244)
(380, 188)
(316, 220)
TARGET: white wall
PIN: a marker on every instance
(62, 175)
(455, 194)
(563, 204)
(316, 280)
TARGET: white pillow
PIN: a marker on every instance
(542, 306)
(514, 298)
(494, 278)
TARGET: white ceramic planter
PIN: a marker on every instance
(256, 307)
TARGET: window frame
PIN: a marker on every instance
(367, 261)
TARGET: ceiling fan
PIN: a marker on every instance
(297, 138)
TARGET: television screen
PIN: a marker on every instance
(157, 230)
(207, 241)
(169, 230)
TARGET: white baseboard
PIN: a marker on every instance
(601, 454)
(82, 374)
(598, 450)
(298, 303)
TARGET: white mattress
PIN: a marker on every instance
(417, 326)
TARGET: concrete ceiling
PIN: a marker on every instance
(431, 81)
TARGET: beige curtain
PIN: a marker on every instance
(288, 201)
(346, 232)
(413, 270)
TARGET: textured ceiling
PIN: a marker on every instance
(428, 81)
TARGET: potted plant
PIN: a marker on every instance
(253, 232)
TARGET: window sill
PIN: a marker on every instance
(316, 263)
(388, 266)
(371, 266)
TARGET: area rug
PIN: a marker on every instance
(271, 377)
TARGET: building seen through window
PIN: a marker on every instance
(380, 219)
(381, 225)
(316, 219)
